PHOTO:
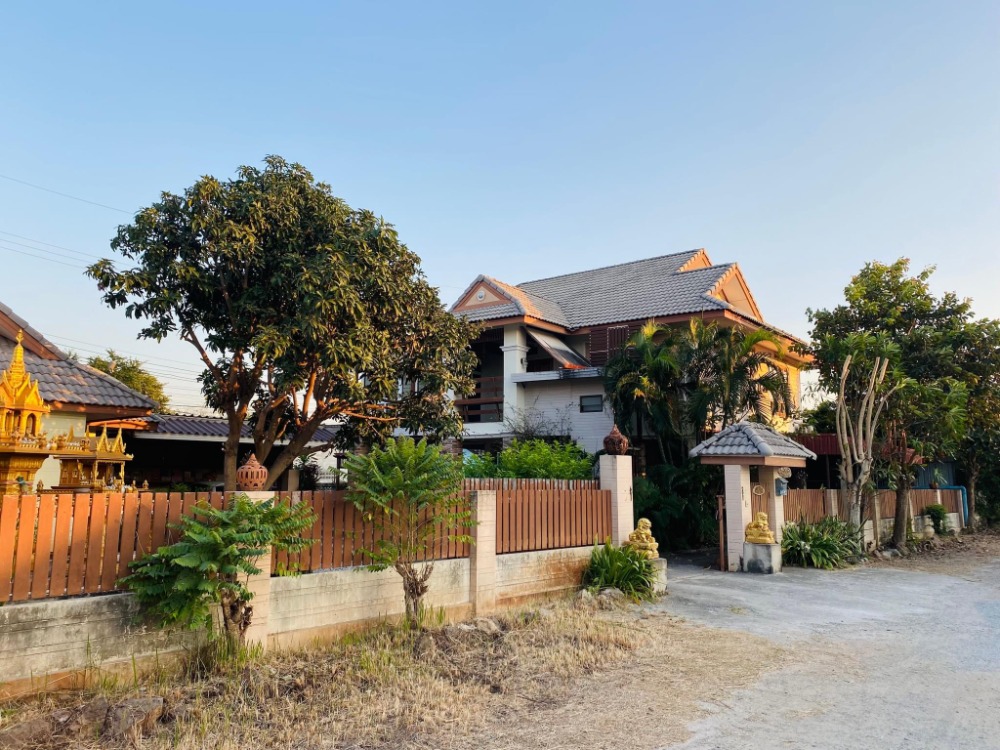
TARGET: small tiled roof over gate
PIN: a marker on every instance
(750, 440)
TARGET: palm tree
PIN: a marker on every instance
(684, 383)
(740, 378)
(641, 380)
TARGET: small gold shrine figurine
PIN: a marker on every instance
(758, 531)
(641, 539)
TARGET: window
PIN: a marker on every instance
(591, 403)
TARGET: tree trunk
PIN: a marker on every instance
(971, 491)
(854, 492)
(231, 457)
(901, 523)
(414, 587)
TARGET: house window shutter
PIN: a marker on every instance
(598, 347)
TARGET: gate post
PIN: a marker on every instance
(483, 560)
(616, 475)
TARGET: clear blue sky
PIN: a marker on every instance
(520, 140)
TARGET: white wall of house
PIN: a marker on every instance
(559, 400)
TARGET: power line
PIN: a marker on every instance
(101, 349)
(47, 244)
(64, 195)
(43, 250)
(41, 257)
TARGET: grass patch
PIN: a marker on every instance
(386, 687)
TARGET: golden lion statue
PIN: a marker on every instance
(758, 532)
(642, 540)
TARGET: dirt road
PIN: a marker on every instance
(890, 656)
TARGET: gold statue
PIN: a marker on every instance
(641, 539)
(758, 531)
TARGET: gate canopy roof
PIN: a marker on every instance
(751, 444)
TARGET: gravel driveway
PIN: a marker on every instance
(891, 658)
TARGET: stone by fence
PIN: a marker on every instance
(61, 555)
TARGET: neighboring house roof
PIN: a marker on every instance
(190, 425)
(62, 380)
(750, 440)
(676, 284)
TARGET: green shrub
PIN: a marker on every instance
(623, 568)
(533, 459)
(828, 544)
(410, 493)
(939, 515)
(680, 503)
(218, 550)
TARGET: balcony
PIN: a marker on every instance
(486, 404)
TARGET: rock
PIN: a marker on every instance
(610, 598)
(487, 626)
(136, 714)
(460, 630)
(425, 647)
(28, 734)
(88, 719)
(179, 712)
(583, 599)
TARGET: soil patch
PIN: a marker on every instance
(958, 556)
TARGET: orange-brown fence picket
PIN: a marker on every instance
(553, 517)
(340, 537)
(55, 545)
(807, 504)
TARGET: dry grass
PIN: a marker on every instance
(550, 678)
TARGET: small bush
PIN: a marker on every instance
(939, 515)
(828, 544)
(533, 459)
(623, 568)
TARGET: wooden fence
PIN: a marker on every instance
(813, 505)
(56, 545)
(554, 517)
(341, 535)
(68, 545)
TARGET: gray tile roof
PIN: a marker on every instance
(72, 382)
(638, 290)
(751, 439)
(200, 426)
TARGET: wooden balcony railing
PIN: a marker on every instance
(486, 404)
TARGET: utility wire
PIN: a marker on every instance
(43, 250)
(41, 257)
(47, 244)
(64, 195)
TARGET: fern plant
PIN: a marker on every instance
(409, 492)
(218, 551)
(622, 568)
(828, 544)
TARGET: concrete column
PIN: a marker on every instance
(515, 351)
(775, 503)
(616, 475)
(483, 578)
(738, 513)
(260, 586)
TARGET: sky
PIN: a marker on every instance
(519, 140)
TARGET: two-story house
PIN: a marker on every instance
(545, 342)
